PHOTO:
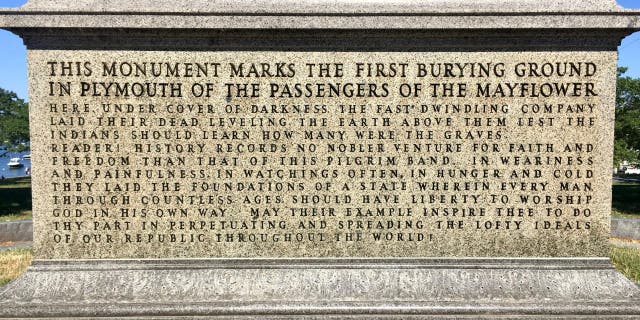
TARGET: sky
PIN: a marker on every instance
(13, 61)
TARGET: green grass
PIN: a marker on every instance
(23, 215)
(627, 261)
(626, 199)
(15, 199)
(13, 263)
(625, 215)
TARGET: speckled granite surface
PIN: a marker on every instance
(377, 181)
(87, 267)
(367, 14)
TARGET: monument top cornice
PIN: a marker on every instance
(321, 14)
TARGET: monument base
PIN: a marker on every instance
(322, 289)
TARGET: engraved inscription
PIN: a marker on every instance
(297, 154)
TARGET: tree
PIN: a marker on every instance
(14, 119)
(627, 127)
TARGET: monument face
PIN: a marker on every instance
(323, 154)
(439, 159)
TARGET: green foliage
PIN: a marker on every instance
(622, 152)
(627, 127)
(19, 148)
(14, 119)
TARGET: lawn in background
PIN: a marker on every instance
(13, 263)
(15, 199)
(626, 199)
(627, 261)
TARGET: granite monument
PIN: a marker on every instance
(347, 159)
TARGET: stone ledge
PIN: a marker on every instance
(623, 20)
(429, 288)
(367, 40)
(318, 14)
(16, 231)
(628, 228)
(325, 263)
(346, 310)
(323, 6)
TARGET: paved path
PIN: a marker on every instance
(626, 180)
(628, 228)
(627, 244)
(16, 245)
(17, 231)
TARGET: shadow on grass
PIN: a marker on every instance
(15, 196)
(626, 198)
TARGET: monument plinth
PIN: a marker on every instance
(424, 159)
